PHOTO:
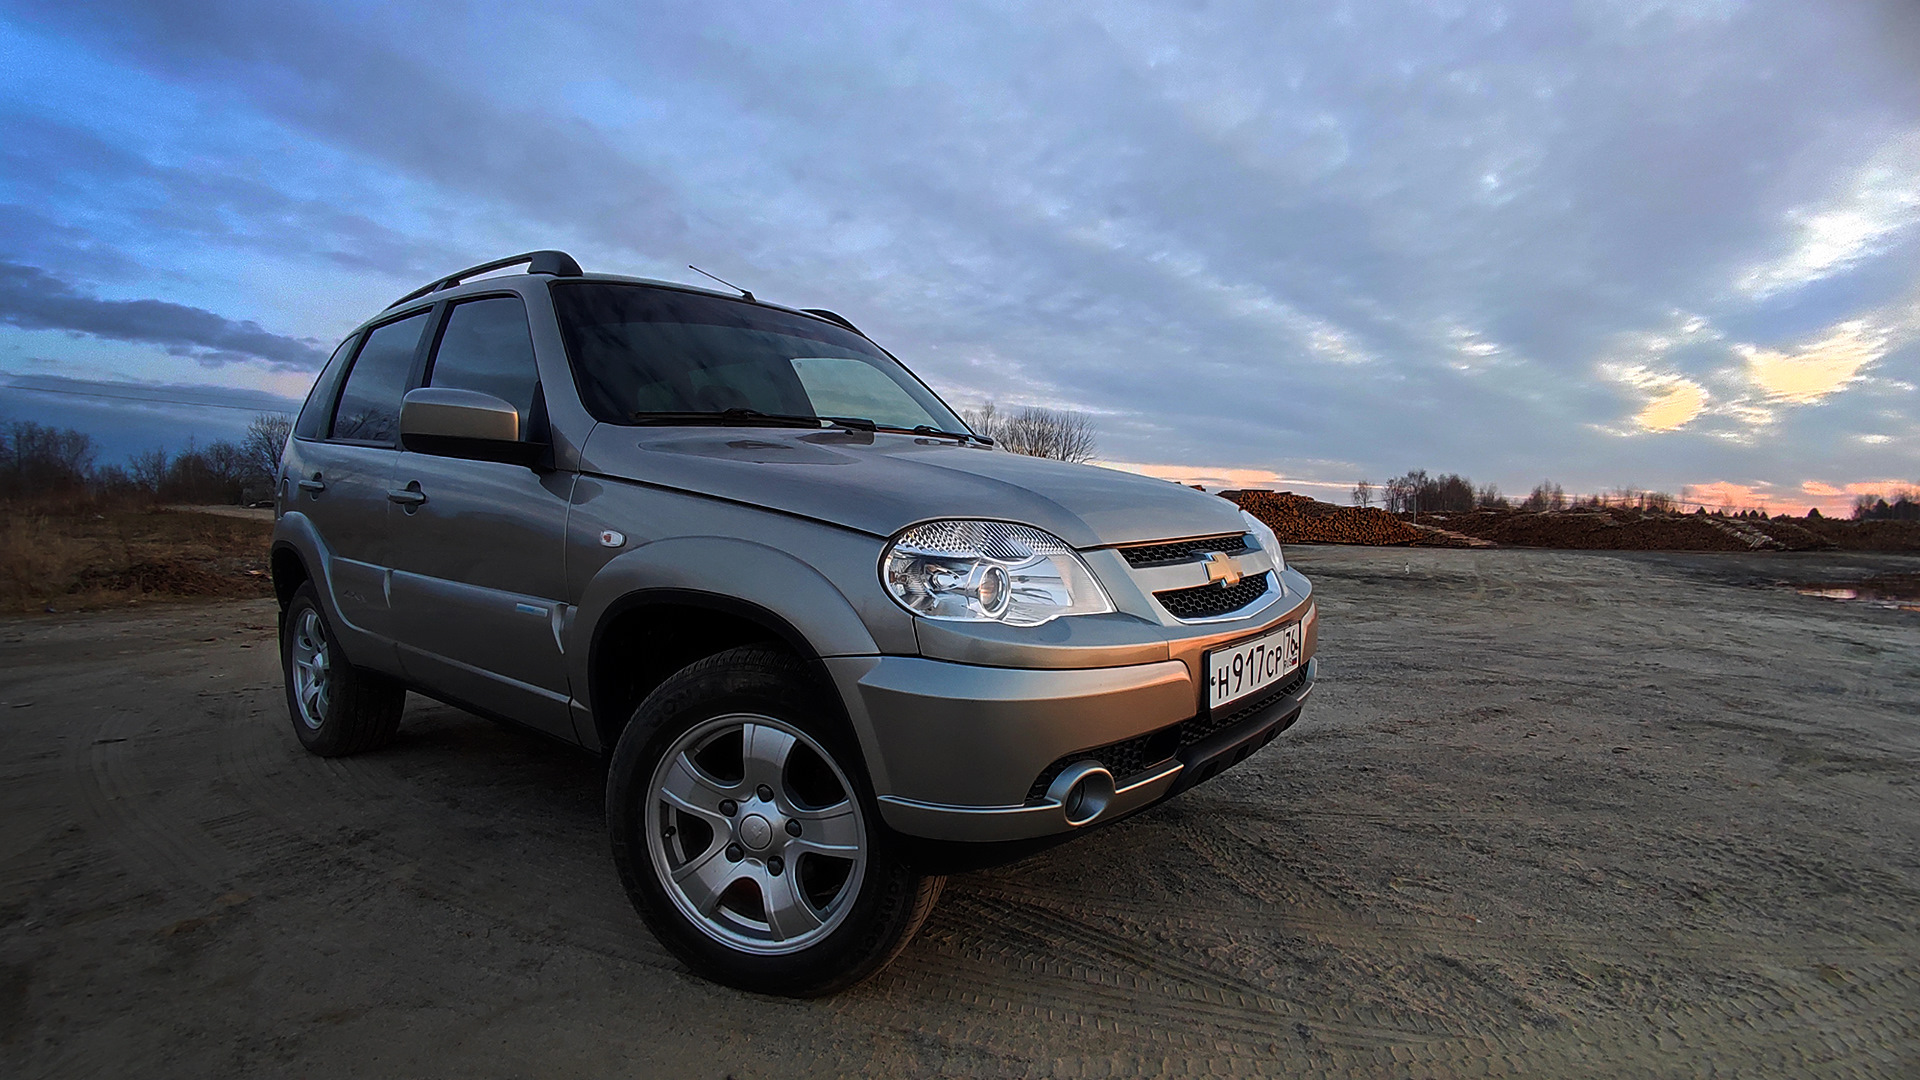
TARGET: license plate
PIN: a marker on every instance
(1252, 666)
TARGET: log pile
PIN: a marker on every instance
(1297, 519)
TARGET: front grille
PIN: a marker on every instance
(1210, 600)
(1130, 757)
(1180, 551)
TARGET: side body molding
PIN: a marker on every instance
(791, 599)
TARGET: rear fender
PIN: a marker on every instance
(294, 532)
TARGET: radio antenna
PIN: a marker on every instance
(724, 281)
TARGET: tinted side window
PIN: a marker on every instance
(486, 347)
(312, 423)
(370, 404)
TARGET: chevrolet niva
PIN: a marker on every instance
(831, 643)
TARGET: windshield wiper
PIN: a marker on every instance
(963, 436)
(752, 416)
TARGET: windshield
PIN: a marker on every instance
(640, 351)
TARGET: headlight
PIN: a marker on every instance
(1265, 539)
(989, 571)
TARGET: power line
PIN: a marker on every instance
(149, 400)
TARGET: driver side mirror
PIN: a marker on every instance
(465, 424)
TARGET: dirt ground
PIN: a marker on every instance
(1559, 813)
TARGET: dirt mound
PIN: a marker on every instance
(1297, 519)
(1601, 529)
(1861, 535)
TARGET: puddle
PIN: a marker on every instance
(1900, 592)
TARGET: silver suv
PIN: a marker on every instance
(831, 643)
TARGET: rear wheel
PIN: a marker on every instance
(745, 834)
(337, 709)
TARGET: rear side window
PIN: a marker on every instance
(487, 347)
(312, 423)
(370, 403)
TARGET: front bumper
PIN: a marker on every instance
(1049, 815)
(962, 752)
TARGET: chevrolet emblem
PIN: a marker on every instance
(1222, 568)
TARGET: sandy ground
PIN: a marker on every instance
(1565, 813)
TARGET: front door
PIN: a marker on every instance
(479, 546)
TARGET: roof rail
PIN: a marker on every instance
(832, 317)
(555, 263)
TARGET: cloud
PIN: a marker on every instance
(1824, 367)
(1880, 202)
(1668, 401)
(1381, 236)
(31, 299)
(1833, 500)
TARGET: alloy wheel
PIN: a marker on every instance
(310, 658)
(756, 834)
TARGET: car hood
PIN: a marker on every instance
(882, 482)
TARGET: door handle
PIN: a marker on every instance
(407, 496)
(315, 485)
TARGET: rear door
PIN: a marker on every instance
(339, 479)
(479, 546)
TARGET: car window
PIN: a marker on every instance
(312, 422)
(370, 403)
(841, 387)
(487, 347)
(639, 349)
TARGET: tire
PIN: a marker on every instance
(336, 708)
(804, 901)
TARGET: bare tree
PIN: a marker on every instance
(38, 459)
(266, 437)
(1363, 494)
(986, 420)
(1063, 435)
(1546, 495)
(1402, 493)
(149, 469)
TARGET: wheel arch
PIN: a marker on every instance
(289, 569)
(665, 629)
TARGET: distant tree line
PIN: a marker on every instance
(1900, 506)
(37, 460)
(1415, 492)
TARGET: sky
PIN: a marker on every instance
(1649, 245)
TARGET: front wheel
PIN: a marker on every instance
(745, 835)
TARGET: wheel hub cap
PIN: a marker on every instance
(755, 832)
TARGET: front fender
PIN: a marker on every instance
(763, 583)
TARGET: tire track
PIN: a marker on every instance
(145, 823)
(525, 879)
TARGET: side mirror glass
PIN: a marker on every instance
(466, 424)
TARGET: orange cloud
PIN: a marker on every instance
(1669, 401)
(1833, 500)
(1822, 368)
